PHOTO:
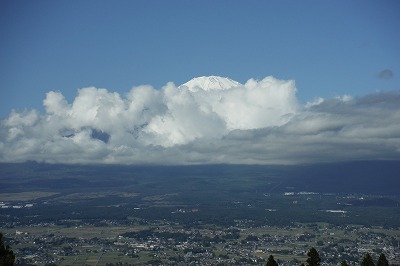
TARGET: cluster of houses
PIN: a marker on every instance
(238, 245)
(7, 205)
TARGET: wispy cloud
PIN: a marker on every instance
(259, 122)
(386, 74)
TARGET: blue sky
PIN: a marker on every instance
(329, 48)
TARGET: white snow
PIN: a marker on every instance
(210, 83)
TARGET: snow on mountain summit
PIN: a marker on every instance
(210, 83)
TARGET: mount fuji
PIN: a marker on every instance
(209, 83)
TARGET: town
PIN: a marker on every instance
(138, 241)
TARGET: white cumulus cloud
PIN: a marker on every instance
(259, 122)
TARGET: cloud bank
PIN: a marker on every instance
(260, 122)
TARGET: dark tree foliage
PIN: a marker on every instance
(367, 260)
(271, 261)
(7, 256)
(251, 238)
(344, 263)
(382, 261)
(313, 258)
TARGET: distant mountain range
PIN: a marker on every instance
(362, 177)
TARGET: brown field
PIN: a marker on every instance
(25, 196)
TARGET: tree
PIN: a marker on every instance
(271, 261)
(7, 256)
(382, 261)
(313, 258)
(344, 263)
(367, 260)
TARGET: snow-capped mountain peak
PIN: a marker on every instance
(210, 83)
